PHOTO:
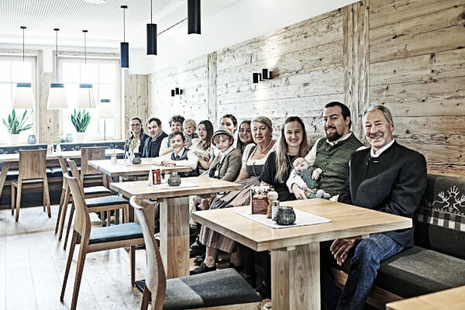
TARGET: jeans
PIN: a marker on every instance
(363, 270)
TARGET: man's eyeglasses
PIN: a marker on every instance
(135, 125)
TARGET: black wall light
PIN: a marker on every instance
(265, 75)
(176, 91)
(193, 16)
(124, 44)
(151, 35)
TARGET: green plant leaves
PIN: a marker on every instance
(80, 120)
(16, 126)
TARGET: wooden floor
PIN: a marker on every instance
(32, 262)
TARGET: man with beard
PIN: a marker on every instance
(332, 154)
(387, 177)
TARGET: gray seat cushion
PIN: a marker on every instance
(417, 271)
(216, 288)
(96, 190)
(115, 233)
(105, 201)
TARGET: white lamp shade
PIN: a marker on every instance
(105, 109)
(57, 97)
(24, 99)
(86, 97)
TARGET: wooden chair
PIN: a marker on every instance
(96, 239)
(97, 204)
(32, 174)
(66, 198)
(221, 289)
(91, 153)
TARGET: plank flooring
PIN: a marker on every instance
(32, 263)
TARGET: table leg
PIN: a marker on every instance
(295, 277)
(3, 173)
(174, 234)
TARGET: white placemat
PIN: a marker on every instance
(302, 219)
(183, 184)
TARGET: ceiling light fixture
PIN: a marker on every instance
(86, 98)
(56, 95)
(124, 45)
(24, 98)
(151, 35)
(193, 16)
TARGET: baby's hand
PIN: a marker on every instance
(316, 173)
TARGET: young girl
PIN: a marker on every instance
(202, 145)
(230, 122)
(244, 135)
(180, 156)
(189, 131)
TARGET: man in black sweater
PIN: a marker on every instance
(387, 177)
(153, 143)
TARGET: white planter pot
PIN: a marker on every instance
(80, 137)
(14, 139)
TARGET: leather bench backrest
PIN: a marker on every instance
(440, 220)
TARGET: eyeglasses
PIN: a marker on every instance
(135, 125)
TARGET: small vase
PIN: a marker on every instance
(174, 179)
(31, 139)
(285, 215)
(136, 159)
(69, 137)
(14, 138)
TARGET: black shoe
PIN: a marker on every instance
(202, 269)
(194, 231)
(199, 260)
(264, 289)
(196, 249)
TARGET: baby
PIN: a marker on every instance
(189, 126)
(308, 179)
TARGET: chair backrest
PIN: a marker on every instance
(155, 273)
(75, 173)
(90, 153)
(64, 169)
(82, 219)
(32, 164)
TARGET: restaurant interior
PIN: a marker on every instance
(84, 216)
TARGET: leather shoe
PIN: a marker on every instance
(199, 260)
(202, 269)
(196, 249)
(264, 289)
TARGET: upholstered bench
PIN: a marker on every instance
(437, 260)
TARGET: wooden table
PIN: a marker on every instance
(452, 299)
(174, 215)
(295, 259)
(8, 159)
(123, 169)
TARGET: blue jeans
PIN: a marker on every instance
(365, 264)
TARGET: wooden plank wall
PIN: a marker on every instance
(136, 99)
(406, 54)
(417, 69)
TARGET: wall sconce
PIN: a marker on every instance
(176, 91)
(265, 75)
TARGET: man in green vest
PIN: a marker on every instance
(332, 154)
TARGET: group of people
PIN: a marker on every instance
(386, 177)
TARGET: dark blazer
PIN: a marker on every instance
(395, 183)
(152, 147)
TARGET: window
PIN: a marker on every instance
(104, 75)
(12, 71)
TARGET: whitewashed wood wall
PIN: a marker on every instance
(406, 54)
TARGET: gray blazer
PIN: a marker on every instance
(229, 168)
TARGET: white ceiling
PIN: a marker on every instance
(224, 23)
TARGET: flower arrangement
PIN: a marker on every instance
(133, 145)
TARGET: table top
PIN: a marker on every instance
(54, 156)
(346, 221)
(125, 169)
(452, 299)
(204, 185)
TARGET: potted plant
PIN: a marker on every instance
(15, 125)
(80, 121)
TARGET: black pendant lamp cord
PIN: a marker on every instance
(151, 13)
(23, 40)
(56, 55)
(124, 24)
(85, 47)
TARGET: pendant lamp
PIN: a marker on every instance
(24, 98)
(193, 16)
(86, 98)
(151, 35)
(56, 95)
(105, 112)
(124, 44)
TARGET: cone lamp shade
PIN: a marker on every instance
(24, 99)
(86, 98)
(57, 97)
(105, 109)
